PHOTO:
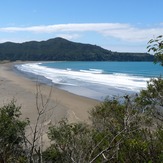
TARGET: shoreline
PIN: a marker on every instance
(93, 90)
(63, 103)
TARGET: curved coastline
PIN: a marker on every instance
(83, 79)
(23, 89)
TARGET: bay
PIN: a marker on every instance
(95, 80)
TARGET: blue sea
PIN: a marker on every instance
(96, 80)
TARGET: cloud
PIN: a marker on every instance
(17, 40)
(125, 32)
(67, 27)
(134, 34)
(69, 36)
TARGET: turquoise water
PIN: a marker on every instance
(96, 79)
(146, 69)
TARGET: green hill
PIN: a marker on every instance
(59, 49)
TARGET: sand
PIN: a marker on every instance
(62, 104)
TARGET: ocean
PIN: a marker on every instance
(97, 80)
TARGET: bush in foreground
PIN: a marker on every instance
(127, 129)
(120, 132)
(12, 132)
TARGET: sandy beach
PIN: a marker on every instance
(61, 104)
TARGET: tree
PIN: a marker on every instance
(33, 140)
(128, 133)
(119, 132)
(19, 140)
(151, 99)
(156, 46)
(71, 142)
(12, 131)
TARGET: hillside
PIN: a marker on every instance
(59, 49)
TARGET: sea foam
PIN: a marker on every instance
(86, 77)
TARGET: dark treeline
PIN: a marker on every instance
(60, 49)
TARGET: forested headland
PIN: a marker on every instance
(59, 49)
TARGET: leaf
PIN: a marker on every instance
(160, 36)
(148, 46)
(150, 41)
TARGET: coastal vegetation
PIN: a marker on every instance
(125, 129)
(60, 49)
(122, 129)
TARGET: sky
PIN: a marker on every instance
(117, 25)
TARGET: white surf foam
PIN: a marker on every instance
(94, 76)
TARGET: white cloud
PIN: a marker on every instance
(67, 27)
(120, 31)
(17, 40)
(126, 48)
(69, 36)
(134, 34)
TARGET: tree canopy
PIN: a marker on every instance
(156, 46)
(12, 132)
(59, 49)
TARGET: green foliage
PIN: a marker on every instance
(59, 49)
(151, 99)
(122, 123)
(71, 142)
(12, 131)
(156, 46)
(154, 93)
(53, 155)
(120, 132)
